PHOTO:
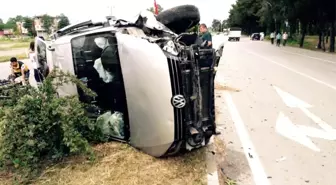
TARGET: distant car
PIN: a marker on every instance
(234, 34)
(255, 36)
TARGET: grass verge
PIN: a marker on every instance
(18, 40)
(119, 164)
(5, 47)
(7, 58)
(310, 43)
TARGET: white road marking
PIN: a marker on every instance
(293, 70)
(300, 133)
(290, 100)
(307, 56)
(259, 175)
(328, 61)
(294, 102)
(286, 128)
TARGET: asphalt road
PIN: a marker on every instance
(280, 127)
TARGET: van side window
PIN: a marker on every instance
(96, 63)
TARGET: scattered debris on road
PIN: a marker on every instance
(281, 159)
(226, 88)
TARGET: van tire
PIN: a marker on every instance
(180, 18)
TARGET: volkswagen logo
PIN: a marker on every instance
(178, 101)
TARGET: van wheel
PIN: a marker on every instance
(180, 18)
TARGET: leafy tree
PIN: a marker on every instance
(40, 125)
(160, 9)
(19, 18)
(225, 24)
(216, 25)
(47, 22)
(298, 17)
(2, 25)
(11, 24)
(63, 22)
(29, 25)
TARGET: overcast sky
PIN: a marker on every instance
(79, 10)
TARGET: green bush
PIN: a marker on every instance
(37, 124)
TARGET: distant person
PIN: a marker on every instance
(205, 36)
(262, 35)
(36, 65)
(272, 36)
(18, 69)
(278, 39)
(284, 39)
(206, 39)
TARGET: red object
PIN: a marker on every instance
(156, 10)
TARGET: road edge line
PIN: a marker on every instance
(259, 174)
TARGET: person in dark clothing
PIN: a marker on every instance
(19, 69)
(278, 39)
(272, 36)
(205, 36)
(206, 39)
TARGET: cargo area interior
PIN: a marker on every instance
(97, 65)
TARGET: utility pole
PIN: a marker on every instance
(110, 10)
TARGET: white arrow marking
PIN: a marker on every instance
(300, 133)
(294, 102)
(290, 100)
(285, 127)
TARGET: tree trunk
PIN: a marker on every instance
(303, 33)
(332, 37)
(309, 29)
(327, 38)
(323, 41)
(328, 34)
(292, 28)
(320, 40)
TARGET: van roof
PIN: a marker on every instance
(68, 37)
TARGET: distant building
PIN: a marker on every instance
(21, 29)
(8, 32)
(40, 30)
